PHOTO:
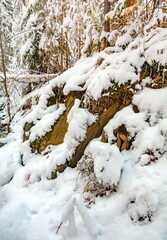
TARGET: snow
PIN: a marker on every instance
(32, 207)
(112, 68)
(152, 100)
(145, 204)
(79, 120)
(26, 47)
(108, 162)
(43, 125)
(134, 122)
(155, 45)
(35, 210)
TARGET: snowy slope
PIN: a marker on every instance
(32, 207)
(135, 203)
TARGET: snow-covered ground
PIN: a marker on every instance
(34, 208)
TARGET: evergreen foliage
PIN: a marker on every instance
(6, 19)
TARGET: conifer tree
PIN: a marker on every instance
(6, 15)
(57, 33)
(31, 26)
(6, 10)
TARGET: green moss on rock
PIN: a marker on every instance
(94, 131)
(28, 126)
(59, 169)
(26, 129)
(59, 129)
(51, 101)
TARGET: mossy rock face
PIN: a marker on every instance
(105, 107)
(59, 129)
(112, 100)
(94, 131)
(54, 175)
(59, 169)
(54, 137)
(57, 98)
(70, 98)
(117, 99)
(114, 94)
(51, 101)
(27, 128)
(104, 137)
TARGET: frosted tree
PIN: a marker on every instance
(6, 15)
(53, 41)
(43, 43)
(6, 10)
(57, 33)
(93, 27)
(31, 25)
(17, 34)
(106, 21)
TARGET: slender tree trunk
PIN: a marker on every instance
(5, 77)
(66, 45)
(62, 43)
(67, 51)
(79, 40)
(146, 10)
(106, 22)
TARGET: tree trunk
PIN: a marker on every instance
(106, 21)
(5, 77)
(79, 40)
(62, 44)
(66, 45)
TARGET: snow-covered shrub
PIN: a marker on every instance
(92, 187)
(142, 207)
(101, 167)
(148, 157)
(107, 163)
